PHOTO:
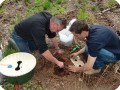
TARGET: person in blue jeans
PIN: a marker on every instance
(102, 46)
(29, 35)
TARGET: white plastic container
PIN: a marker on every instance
(65, 36)
(1, 88)
(118, 88)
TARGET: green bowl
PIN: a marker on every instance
(20, 79)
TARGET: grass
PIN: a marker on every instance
(46, 4)
(111, 3)
(9, 50)
(9, 86)
(82, 14)
(38, 6)
(94, 8)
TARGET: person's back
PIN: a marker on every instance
(29, 25)
(103, 37)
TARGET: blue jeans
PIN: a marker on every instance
(104, 57)
(22, 44)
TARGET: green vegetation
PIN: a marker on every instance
(40, 5)
(82, 15)
(46, 5)
(94, 8)
(111, 3)
(8, 86)
(58, 1)
(56, 9)
(9, 50)
(93, 0)
(1, 10)
(91, 18)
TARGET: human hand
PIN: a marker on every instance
(60, 64)
(73, 55)
(73, 68)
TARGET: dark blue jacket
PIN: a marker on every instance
(102, 37)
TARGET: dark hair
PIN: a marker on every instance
(60, 20)
(79, 26)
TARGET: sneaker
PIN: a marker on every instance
(92, 71)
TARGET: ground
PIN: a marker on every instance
(48, 75)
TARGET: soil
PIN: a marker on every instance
(51, 77)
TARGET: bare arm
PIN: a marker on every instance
(47, 54)
(79, 52)
(55, 42)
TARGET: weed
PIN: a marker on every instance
(111, 3)
(91, 18)
(18, 18)
(82, 14)
(94, 8)
(27, 2)
(26, 86)
(46, 5)
(58, 1)
(56, 9)
(9, 50)
(8, 86)
(93, 0)
(1, 10)
(39, 88)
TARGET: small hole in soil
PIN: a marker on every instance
(79, 65)
(75, 59)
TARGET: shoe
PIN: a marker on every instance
(92, 71)
(117, 67)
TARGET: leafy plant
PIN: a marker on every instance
(27, 2)
(46, 5)
(9, 50)
(26, 86)
(50, 0)
(8, 86)
(39, 88)
(1, 10)
(56, 9)
(93, 0)
(94, 8)
(18, 18)
(58, 1)
(82, 14)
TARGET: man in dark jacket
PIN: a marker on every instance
(102, 46)
(29, 34)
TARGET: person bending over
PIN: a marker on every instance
(29, 34)
(102, 46)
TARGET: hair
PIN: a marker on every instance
(61, 21)
(79, 26)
